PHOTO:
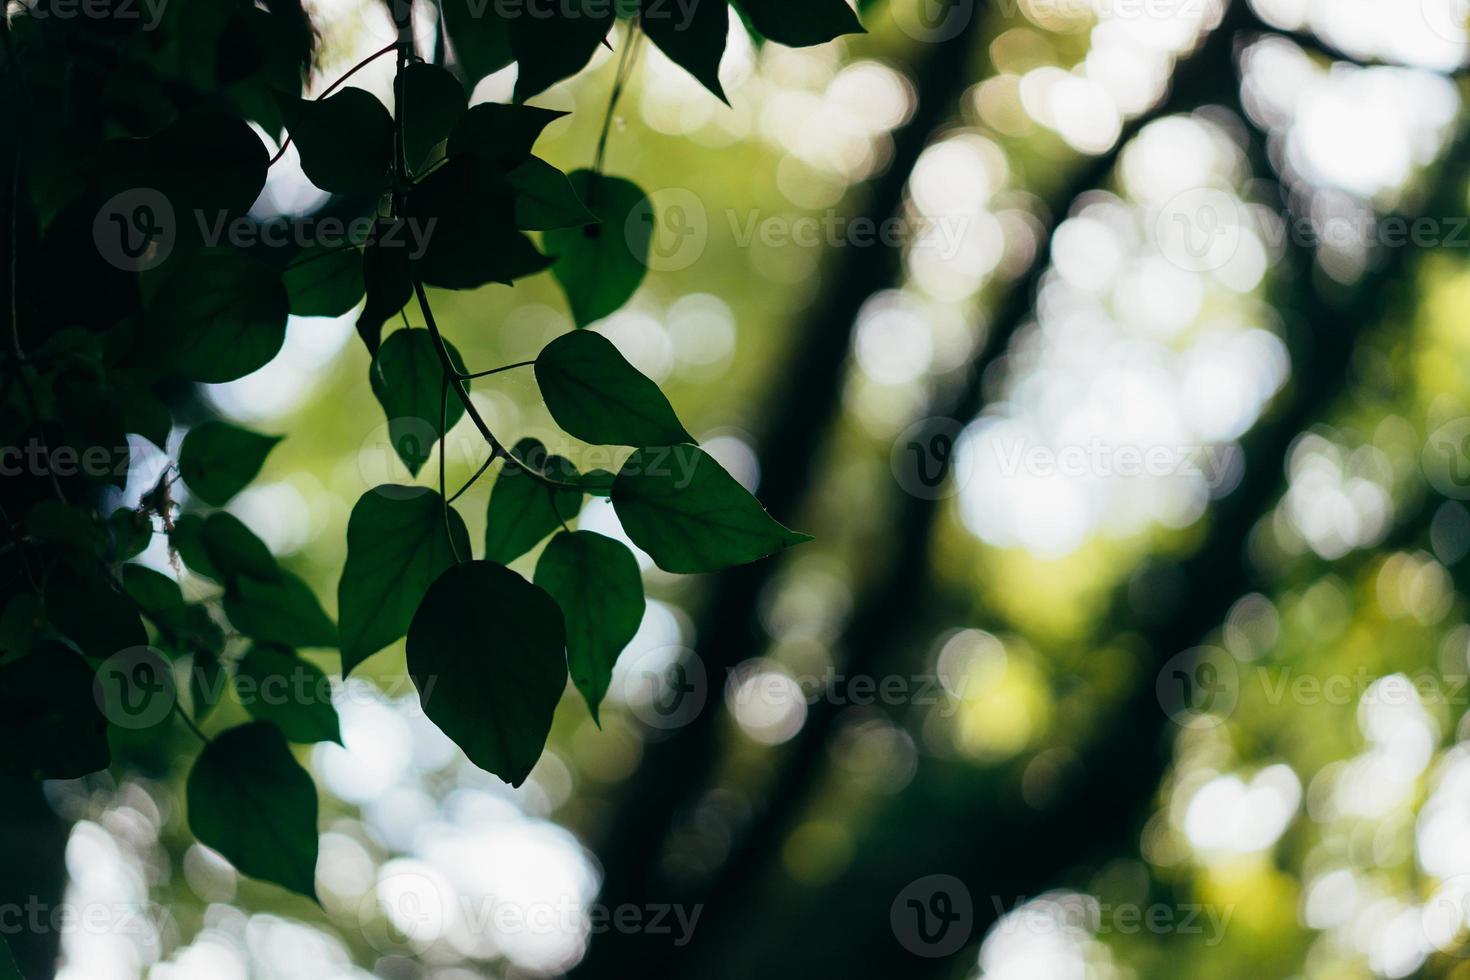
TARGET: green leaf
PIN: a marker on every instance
(800, 25)
(250, 800)
(545, 199)
(406, 377)
(523, 510)
(433, 101)
(218, 317)
(187, 538)
(596, 583)
(467, 207)
(285, 612)
(387, 273)
(500, 134)
(277, 686)
(681, 507)
(156, 594)
(397, 545)
(143, 412)
(324, 281)
(554, 39)
(132, 532)
(206, 160)
(601, 266)
(218, 460)
(597, 396)
(345, 140)
(98, 618)
(597, 483)
(481, 37)
(485, 651)
(50, 724)
(693, 38)
(235, 550)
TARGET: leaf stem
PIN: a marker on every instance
(190, 723)
(486, 374)
(474, 479)
(626, 61)
(443, 455)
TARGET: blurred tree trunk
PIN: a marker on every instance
(804, 404)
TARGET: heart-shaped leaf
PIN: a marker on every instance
(250, 800)
(397, 545)
(218, 316)
(218, 460)
(324, 281)
(596, 582)
(406, 377)
(433, 102)
(466, 211)
(285, 612)
(597, 396)
(501, 134)
(345, 140)
(692, 37)
(523, 509)
(485, 650)
(277, 686)
(545, 199)
(680, 506)
(601, 266)
(800, 25)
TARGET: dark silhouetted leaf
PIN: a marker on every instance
(523, 510)
(601, 266)
(693, 37)
(250, 800)
(501, 134)
(406, 377)
(397, 546)
(206, 161)
(681, 507)
(486, 653)
(218, 460)
(481, 37)
(554, 39)
(285, 612)
(277, 686)
(545, 199)
(187, 538)
(469, 208)
(387, 272)
(802, 24)
(50, 723)
(596, 582)
(234, 549)
(433, 101)
(98, 618)
(325, 281)
(218, 317)
(345, 140)
(597, 396)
